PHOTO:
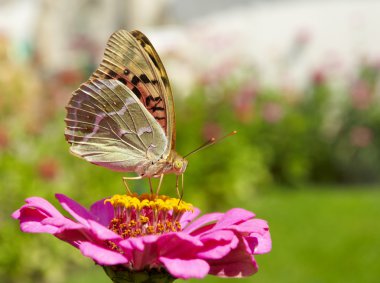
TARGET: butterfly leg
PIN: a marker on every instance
(183, 184)
(159, 184)
(150, 186)
(180, 194)
(176, 185)
(130, 178)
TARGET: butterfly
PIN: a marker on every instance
(123, 117)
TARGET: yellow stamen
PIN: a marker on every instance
(146, 214)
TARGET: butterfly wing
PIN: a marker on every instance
(108, 125)
(131, 59)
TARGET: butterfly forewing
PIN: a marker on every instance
(131, 59)
(164, 83)
(108, 125)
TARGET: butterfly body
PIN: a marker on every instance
(173, 164)
(123, 117)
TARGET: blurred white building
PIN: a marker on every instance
(284, 40)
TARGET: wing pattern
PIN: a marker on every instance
(109, 126)
(131, 59)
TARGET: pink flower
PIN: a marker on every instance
(303, 37)
(48, 168)
(361, 95)
(145, 233)
(272, 112)
(4, 138)
(211, 130)
(361, 136)
(318, 77)
(244, 100)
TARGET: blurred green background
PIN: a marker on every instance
(298, 80)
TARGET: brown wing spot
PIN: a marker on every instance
(150, 98)
(156, 108)
(165, 80)
(135, 80)
(112, 74)
(122, 80)
(154, 61)
(136, 91)
(126, 72)
(144, 79)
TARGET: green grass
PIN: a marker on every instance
(319, 235)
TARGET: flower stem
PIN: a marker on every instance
(120, 274)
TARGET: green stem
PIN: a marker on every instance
(120, 274)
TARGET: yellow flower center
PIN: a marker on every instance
(136, 215)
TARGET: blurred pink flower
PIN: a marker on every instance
(243, 101)
(217, 74)
(318, 77)
(361, 136)
(303, 37)
(361, 95)
(211, 130)
(4, 138)
(48, 168)
(145, 233)
(272, 112)
(68, 77)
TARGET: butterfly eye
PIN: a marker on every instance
(178, 164)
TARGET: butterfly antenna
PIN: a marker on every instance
(210, 142)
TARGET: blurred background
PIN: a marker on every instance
(299, 81)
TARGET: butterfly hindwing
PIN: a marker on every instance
(131, 59)
(109, 126)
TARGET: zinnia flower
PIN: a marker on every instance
(155, 236)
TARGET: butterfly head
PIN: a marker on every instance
(179, 164)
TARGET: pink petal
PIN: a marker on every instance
(73, 237)
(218, 236)
(138, 243)
(31, 222)
(80, 213)
(142, 250)
(102, 212)
(40, 204)
(259, 230)
(178, 245)
(237, 268)
(185, 268)
(251, 226)
(101, 232)
(189, 216)
(33, 213)
(218, 244)
(62, 223)
(147, 252)
(264, 243)
(202, 221)
(238, 263)
(233, 216)
(101, 255)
